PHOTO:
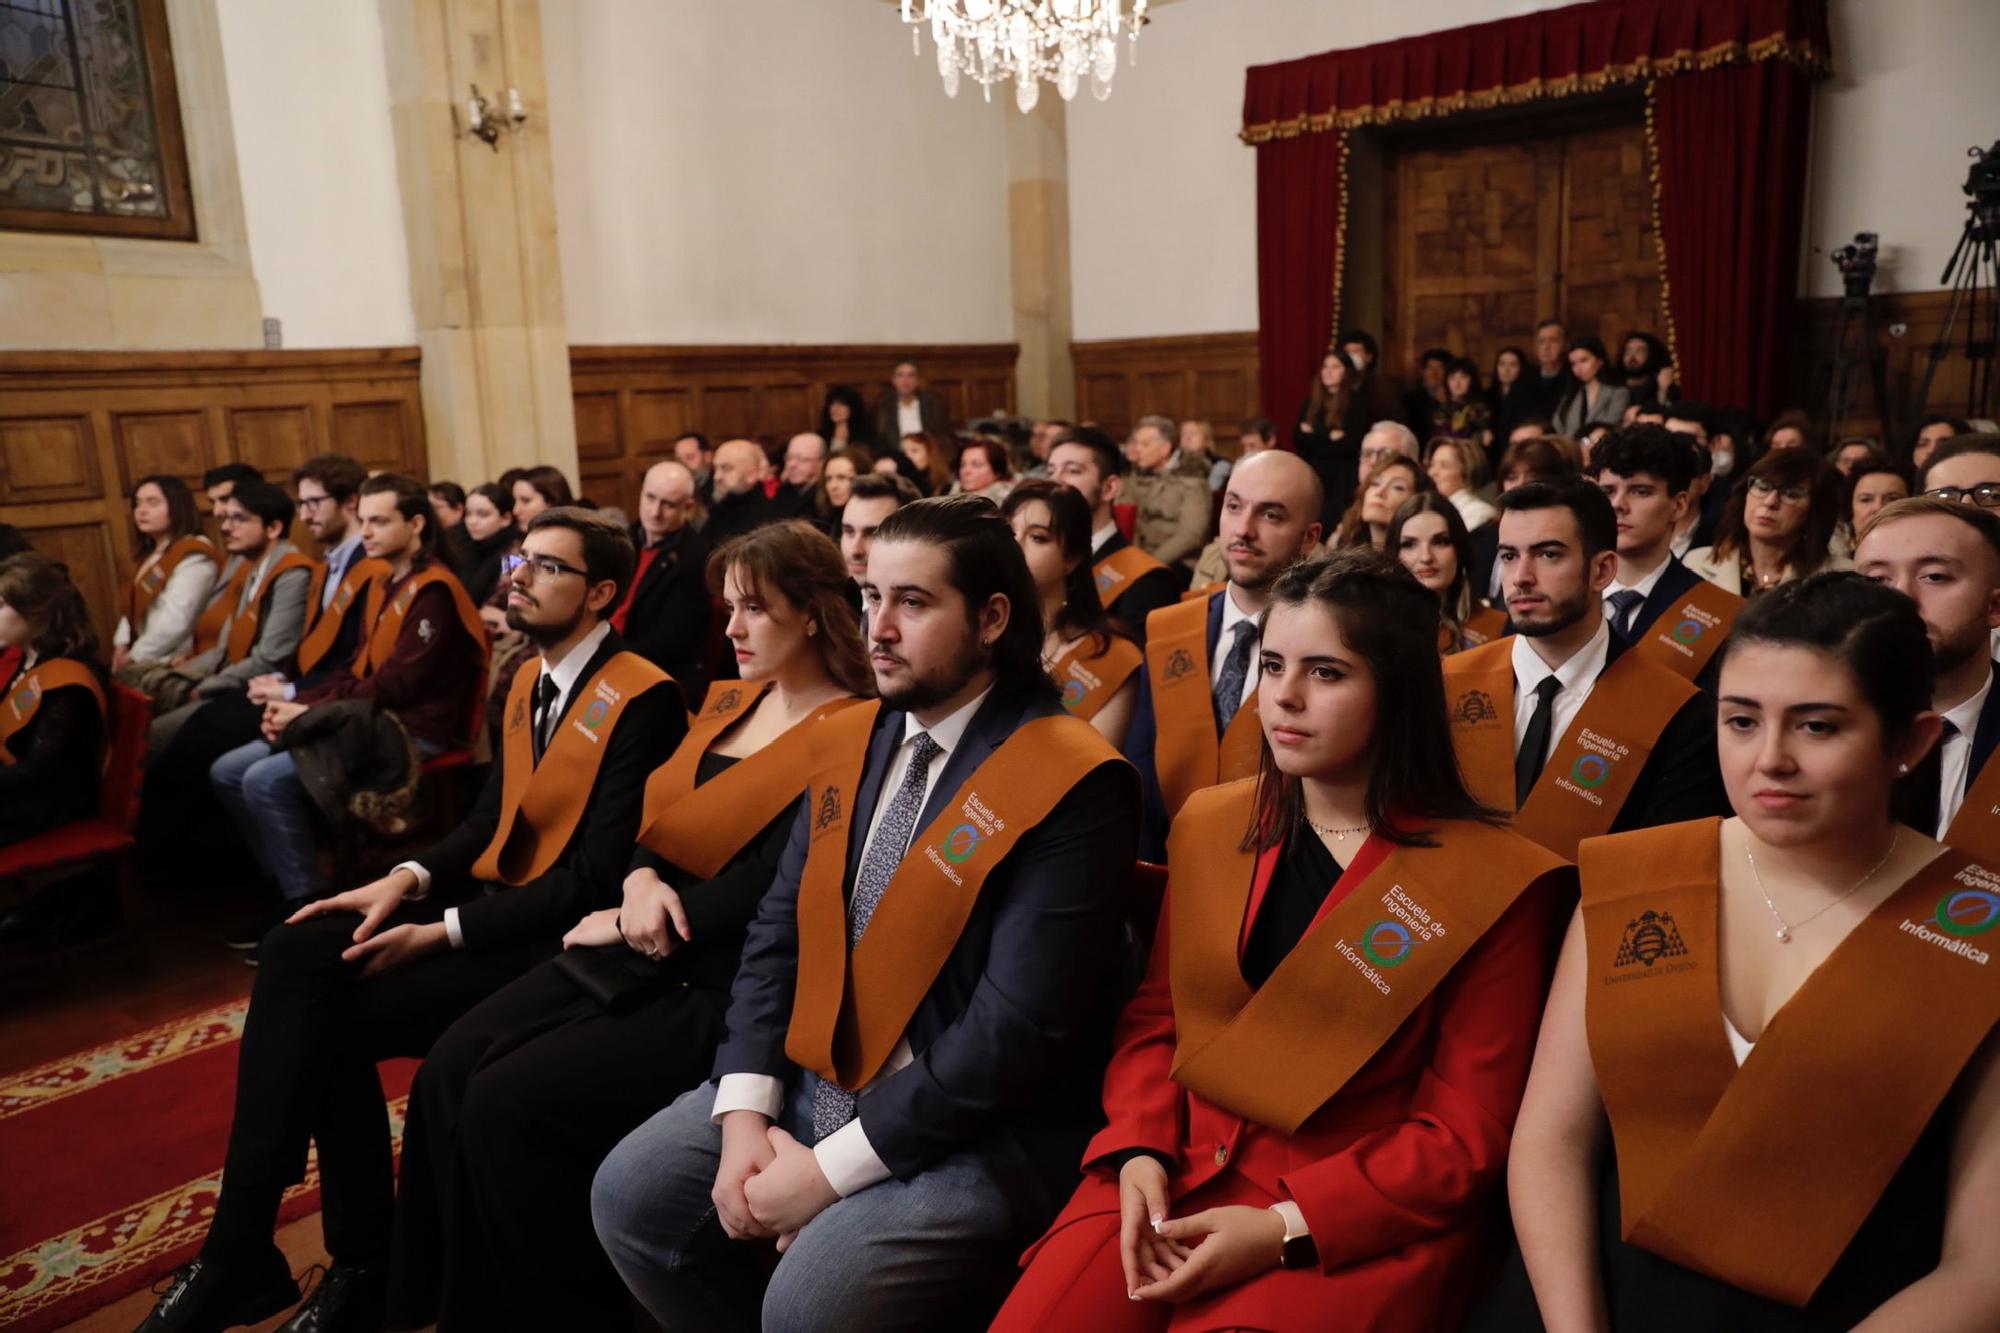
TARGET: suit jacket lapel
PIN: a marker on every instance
(1986, 733)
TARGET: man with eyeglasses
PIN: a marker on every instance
(1965, 468)
(382, 970)
(666, 613)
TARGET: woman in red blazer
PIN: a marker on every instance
(1313, 1089)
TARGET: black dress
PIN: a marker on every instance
(1336, 461)
(520, 1099)
(1898, 1243)
(57, 759)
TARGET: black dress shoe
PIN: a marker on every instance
(347, 1300)
(250, 932)
(202, 1297)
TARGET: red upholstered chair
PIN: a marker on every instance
(107, 834)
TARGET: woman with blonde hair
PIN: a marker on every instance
(1457, 467)
(1366, 522)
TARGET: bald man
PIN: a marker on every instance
(737, 502)
(665, 616)
(805, 464)
(1196, 723)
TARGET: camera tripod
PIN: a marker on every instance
(1854, 343)
(1973, 275)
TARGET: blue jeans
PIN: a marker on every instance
(263, 794)
(935, 1251)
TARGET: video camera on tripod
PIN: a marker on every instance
(1857, 262)
(1973, 276)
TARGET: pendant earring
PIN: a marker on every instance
(1903, 769)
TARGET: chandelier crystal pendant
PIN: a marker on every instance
(1028, 41)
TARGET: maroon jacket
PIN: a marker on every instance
(432, 675)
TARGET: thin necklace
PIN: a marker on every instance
(1337, 834)
(1785, 930)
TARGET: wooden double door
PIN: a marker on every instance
(1482, 240)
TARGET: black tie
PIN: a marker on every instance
(545, 707)
(1535, 745)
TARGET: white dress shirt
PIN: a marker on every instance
(1110, 530)
(1225, 639)
(566, 674)
(849, 1162)
(910, 416)
(1578, 678)
(1955, 755)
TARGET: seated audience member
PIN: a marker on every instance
(1376, 397)
(1193, 726)
(382, 970)
(1946, 557)
(1429, 539)
(666, 612)
(1791, 429)
(490, 537)
(1695, 1210)
(52, 722)
(1508, 399)
(520, 1099)
(1552, 379)
(217, 482)
(1198, 442)
(448, 507)
(1171, 494)
(1851, 451)
(737, 502)
(1642, 362)
(907, 408)
(537, 489)
(1095, 667)
(1357, 812)
(255, 619)
(1255, 436)
(1421, 403)
(1533, 458)
(1385, 440)
(1590, 399)
(421, 657)
(693, 451)
(1042, 438)
(1932, 431)
(1965, 468)
(1366, 522)
(927, 462)
(1130, 583)
(1559, 721)
(1647, 472)
(843, 421)
(835, 483)
(983, 470)
(903, 1140)
(1778, 527)
(798, 486)
(1463, 413)
(1873, 480)
(1696, 527)
(874, 497)
(1457, 467)
(177, 570)
(12, 543)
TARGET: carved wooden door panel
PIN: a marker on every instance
(1611, 257)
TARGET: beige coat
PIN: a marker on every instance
(1174, 512)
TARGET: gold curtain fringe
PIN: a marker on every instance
(1339, 247)
(1659, 231)
(1802, 54)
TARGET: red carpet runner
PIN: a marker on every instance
(110, 1161)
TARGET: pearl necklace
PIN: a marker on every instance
(1784, 929)
(1337, 834)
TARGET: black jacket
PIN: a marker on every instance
(1149, 592)
(53, 779)
(1682, 778)
(732, 515)
(671, 615)
(1916, 797)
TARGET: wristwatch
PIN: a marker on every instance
(1299, 1251)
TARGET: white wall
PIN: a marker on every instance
(770, 171)
(309, 102)
(1914, 87)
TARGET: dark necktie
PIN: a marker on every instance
(1945, 738)
(833, 1105)
(545, 707)
(1235, 669)
(1535, 745)
(1624, 604)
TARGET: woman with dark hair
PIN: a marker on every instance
(925, 463)
(1463, 415)
(176, 572)
(836, 483)
(1767, 1094)
(1539, 459)
(983, 469)
(1096, 666)
(490, 537)
(536, 489)
(1590, 398)
(1366, 522)
(1330, 427)
(521, 1098)
(1430, 539)
(1507, 398)
(52, 705)
(1778, 526)
(1791, 429)
(843, 421)
(1303, 1132)
(1875, 480)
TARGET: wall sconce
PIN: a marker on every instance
(485, 122)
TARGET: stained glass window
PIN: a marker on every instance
(90, 136)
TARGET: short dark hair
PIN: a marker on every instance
(1262, 427)
(264, 502)
(1596, 521)
(337, 474)
(1628, 451)
(1875, 463)
(607, 547)
(1686, 409)
(1781, 469)
(182, 520)
(450, 492)
(1591, 343)
(1871, 628)
(1110, 458)
(697, 437)
(1365, 338)
(982, 559)
(229, 472)
(1439, 354)
(884, 486)
(1959, 425)
(1958, 446)
(1551, 323)
(413, 502)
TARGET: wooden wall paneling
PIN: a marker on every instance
(1209, 375)
(48, 458)
(1611, 257)
(176, 443)
(94, 559)
(1921, 314)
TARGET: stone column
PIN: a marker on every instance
(1038, 228)
(485, 277)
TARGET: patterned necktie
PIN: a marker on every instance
(833, 1105)
(1235, 669)
(1624, 603)
(545, 707)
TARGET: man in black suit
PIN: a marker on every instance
(1647, 472)
(737, 502)
(381, 970)
(902, 1202)
(1131, 587)
(908, 408)
(667, 612)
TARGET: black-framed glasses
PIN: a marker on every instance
(1986, 495)
(547, 569)
(1789, 494)
(307, 504)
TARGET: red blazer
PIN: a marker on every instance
(1398, 1175)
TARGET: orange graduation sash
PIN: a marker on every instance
(1686, 636)
(24, 697)
(361, 577)
(1117, 572)
(1277, 1054)
(1590, 770)
(385, 623)
(214, 617)
(243, 628)
(1975, 829)
(1088, 683)
(1483, 626)
(147, 584)
(850, 1008)
(700, 828)
(1188, 756)
(1761, 1176)
(541, 804)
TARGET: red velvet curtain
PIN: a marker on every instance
(1299, 227)
(1732, 158)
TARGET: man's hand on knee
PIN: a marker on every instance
(746, 1150)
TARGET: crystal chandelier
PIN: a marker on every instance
(1063, 41)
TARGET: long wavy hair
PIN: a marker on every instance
(1456, 604)
(798, 562)
(40, 592)
(1326, 409)
(1353, 529)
